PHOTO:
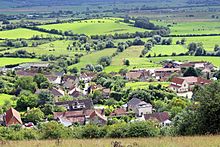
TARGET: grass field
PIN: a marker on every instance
(95, 27)
(144, 85)
(11, 61)
(197, 141)
(93, 58)
(213, 60)
(20, 33)
(167, 49)
(56, 48)
(132, 54)
(6, 97)
(183, 28)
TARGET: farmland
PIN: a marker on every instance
(95, 27)
(92, 58)
(11, 61)
(20, 33)
(6, 97)
(214, 60)
(132, 54)
(167, 49)
(201, 141)
(145, 85)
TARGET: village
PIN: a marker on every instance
(80, 109)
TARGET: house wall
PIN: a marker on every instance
(13, 121)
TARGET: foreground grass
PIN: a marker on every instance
(198, 141)
(6, 97)
(11, 61)
(145, 85)
(95, 27)
(213, 60)
(21, 33)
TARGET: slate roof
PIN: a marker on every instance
(86, 102)
(134, 102)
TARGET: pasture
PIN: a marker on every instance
(213, 60)
(5, 97)
(95, 27)
(20, 33)
(93, 57)
(196, 141)
(132, 54)
(167, 49)
(145, 85)
(11, 61)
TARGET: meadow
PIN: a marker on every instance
(11, 61)
(133, 55)
(20, 33)
(95, 27)
(196, 141)
(6, 97)
(145, 85)
(56, 48)
(167, 49)
(93, 57)
(213, 60)
(183, 28)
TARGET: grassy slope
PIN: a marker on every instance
(11, 61)
(20, 33)
(92, 27)
(56, 48)
(214, 60)
(196, 141)
(167, 49)
(132, 54)
(6, 97)
(93, 58)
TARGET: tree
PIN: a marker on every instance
(26, 83)
(217, 74)
(89, 67)
(105, 61)
(190, 72)
(45, 97)
(39, 79)
(35, 115)
(98, 68)
(26, 99)
(127, 62)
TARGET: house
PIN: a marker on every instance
(82, 117)
(106, 92)
(69, 82)
(183, 86)
(139, 107)
(81, 104)
(138, 75)
(75, 92)
(163, 74)
(119, 112)
(56, 92)
(2, 119)
(87, 76)
(55, 78)
(12, 117)
(198, 64)
(161, 117)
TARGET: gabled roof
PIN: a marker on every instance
(134, 102)
(159, 116)
(177, 80)
(118, 112)
(57, 92)
(12, 113)
(87, 102)
(134, 75)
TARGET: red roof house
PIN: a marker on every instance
(12, 117)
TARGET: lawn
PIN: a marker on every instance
(6, 97)
(186, 141)
(20, 33)
(132, 54)
(167, 49)
(55, 48)
(144, 85)
(12, 61)
(214, 60)
(95, 27)
(93, 57)
(205, 27)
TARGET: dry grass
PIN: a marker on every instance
(199, 141)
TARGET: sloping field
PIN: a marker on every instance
(20, 33)
(6, 97)
(93, 58)
(95, 27)
(167, 49)
(11, 61)
(132, 54)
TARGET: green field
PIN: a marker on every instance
(12, 61)
(95, 27)
(167, 49)
(144, 85)
(6, 97)
(214, 60)
(205, 27)
(55, 48)
(132, 54)
(20, 33)
(93, 57)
